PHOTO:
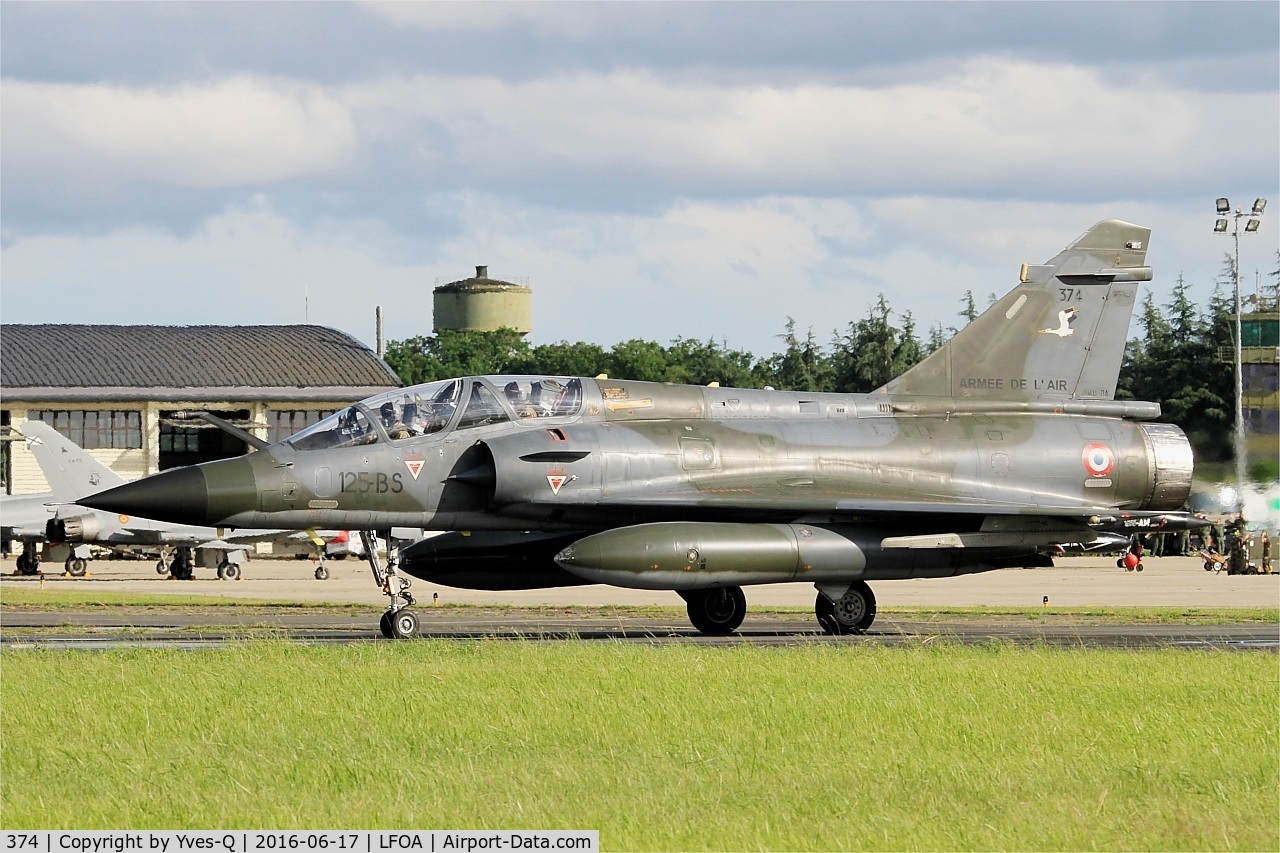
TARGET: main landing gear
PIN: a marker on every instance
(848, 612)
(399, 622)
(28, 560)
(717, 611)
(180, 568)
(840, 608)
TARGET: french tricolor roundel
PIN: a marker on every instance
(1099, 461)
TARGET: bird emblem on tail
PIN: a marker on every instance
(1065, 316)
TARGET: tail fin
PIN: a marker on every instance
(72, 473)
(1059, 334)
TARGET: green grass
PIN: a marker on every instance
(663, 748)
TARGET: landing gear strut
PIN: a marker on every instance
(851, 613)
(399, 622)
(716, 611)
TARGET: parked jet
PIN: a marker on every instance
(73, 473)
(1000, 446)
(24, 518)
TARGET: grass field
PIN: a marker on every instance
(660, 748)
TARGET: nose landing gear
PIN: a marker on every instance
(399, 622)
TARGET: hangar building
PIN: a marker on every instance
(115, 390)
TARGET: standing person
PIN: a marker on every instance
(1266, 552)
(1236, 559)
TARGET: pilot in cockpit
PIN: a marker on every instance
(391, 420)
(518, 401)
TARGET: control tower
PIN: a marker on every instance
(482, 304)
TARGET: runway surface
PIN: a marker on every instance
(118, 628)
(610, 614)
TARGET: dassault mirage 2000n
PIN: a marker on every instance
(1004, 443)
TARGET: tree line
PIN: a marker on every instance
(1173, 360)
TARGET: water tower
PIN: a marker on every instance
(483, 304)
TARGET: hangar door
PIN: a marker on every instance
(188, 442)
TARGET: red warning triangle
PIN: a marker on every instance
(414, 464)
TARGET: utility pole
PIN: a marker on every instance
(1251, 227)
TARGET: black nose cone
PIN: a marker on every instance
(179, 496)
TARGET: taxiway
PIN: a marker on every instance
(608, 613)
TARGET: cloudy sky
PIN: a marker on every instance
(651, 170)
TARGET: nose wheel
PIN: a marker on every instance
(399, 622)
(398, 625)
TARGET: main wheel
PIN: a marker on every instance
(76, 567)
(404, 624)
(826, 613)
(322, 573)
(27, 565)
(716, 611)
(853, 613)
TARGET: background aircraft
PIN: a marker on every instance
(73, 473)
(24, 518)
(1002, 445)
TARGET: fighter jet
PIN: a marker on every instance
(24, 518)
(73, 473)
(1000, 446)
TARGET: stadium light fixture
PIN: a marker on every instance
(1250, 227)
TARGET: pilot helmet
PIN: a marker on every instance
(512, 390)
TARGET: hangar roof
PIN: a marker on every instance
(64, 362)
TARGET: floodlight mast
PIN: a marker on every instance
(1251, 227)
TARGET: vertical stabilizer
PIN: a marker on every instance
(1059, 334)
(72, 473)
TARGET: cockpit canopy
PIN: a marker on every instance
(450, 404)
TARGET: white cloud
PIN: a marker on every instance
(230, 133)
(993, 127)
(731, 271)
